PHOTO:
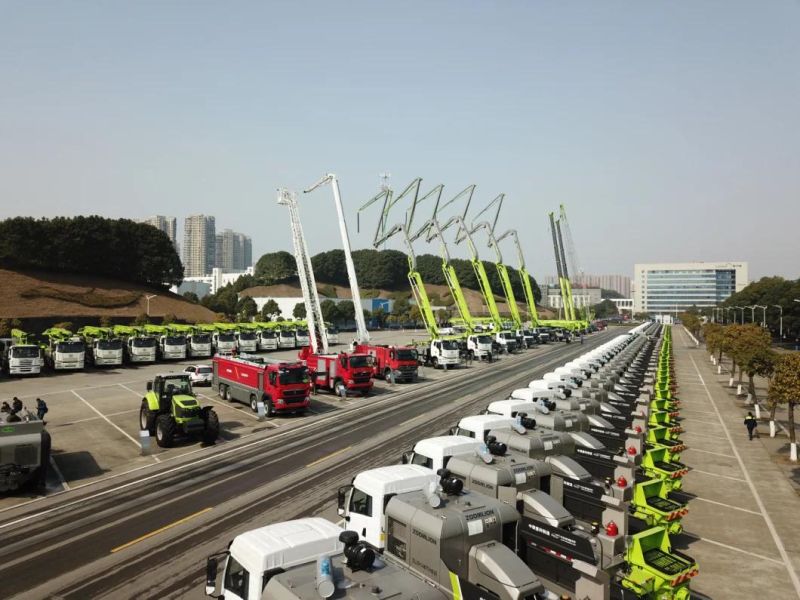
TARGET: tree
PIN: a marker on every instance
(380, 316)
(191, 297)
(168, 319)
(605, 309)
(246, 308)
(299, 311)
(105, 321)
(330, 313)
(347, 311)
(784, 388)
(751, 351)
(5, 328)
(225, 301)
(712, 333)
(270, 310)
(691, 322)
(276, 267)
(140, 320)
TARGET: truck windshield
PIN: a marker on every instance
(360, 361)
(24, 352)
(406, 354)
(303, 334)
(109, 345)
(201, 338)
(179, 385)
(175, 340)
(226, 337)
(449, 345)
(144, 342)
(527, 333)
(268, 335)
(287, 334)
(484, 339)
(508, 336)
(296, 375)
(247, 336)
(332, 330)
(70, 347)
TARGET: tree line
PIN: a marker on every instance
(770, 292)
(116, 248)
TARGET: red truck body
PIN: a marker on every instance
(403, 361)
(351, 371)
(283, 386)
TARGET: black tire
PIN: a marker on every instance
(253, 403)
(337, 388)
(387, 375)
(211, 429)
(435, 362)
(147, 419)
(165, 431)
(269, 407)
(223, 391)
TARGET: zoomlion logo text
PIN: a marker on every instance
(552, 534)
(423, 535)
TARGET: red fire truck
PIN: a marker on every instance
(402, 361)
(283, 386)
(339, 373)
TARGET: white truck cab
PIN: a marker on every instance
(198, 345)
(480, 346)
(254, 556)
(507, 341)
(267, 339)
(479, 426)
(302, 337)
(442, 353)
(287, 339)
(224, 342)
(23, 359)
(247, 341)
(434, 453)
(363, 502)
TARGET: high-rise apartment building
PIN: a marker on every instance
(166, 224)
(619, 283)
(673, 287)
(234, 251)
(199, 245)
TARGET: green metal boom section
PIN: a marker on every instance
(96, 333)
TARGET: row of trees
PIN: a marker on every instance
(771, 292)
(381, 269)
(117, 248)
(749, 349)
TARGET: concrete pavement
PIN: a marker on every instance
(742, 515)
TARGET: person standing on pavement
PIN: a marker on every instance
(751, 424)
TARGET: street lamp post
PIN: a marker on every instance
(148, 298)
(728, 314)
(763, 308)
(752, 313)
(735, 308)
(780, 327)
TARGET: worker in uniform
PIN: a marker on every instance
(751, 424)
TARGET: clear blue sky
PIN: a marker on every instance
(671, 130)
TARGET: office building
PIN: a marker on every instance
(166, 224)
(674, 287)
(581, 297)
(199, 245)
(618, 283)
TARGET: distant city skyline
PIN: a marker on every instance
(670, 131)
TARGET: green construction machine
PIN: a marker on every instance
(64, 350)
(170, 409)
(104, 348)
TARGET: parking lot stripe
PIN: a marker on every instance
(125, 387)
(227, 405)
(717, 475)
(107, 420)
(747, 510)
(708, 452)
(735, 549)
(770, 525)
(160, 530)
(57, 471)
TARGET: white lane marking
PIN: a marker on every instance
(770, 525)
(134, 392)
(747, 510)
(85, 387)
(735, 549)
(110, 422)
(57, 471)
(114, 414)
(181, 467)
(693, 470)
(708, 452)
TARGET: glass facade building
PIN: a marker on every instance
(670, 287)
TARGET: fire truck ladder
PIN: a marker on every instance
(307, 282)
(362, 335)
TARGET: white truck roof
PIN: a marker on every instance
(395, 479)
(287, 544)
(446, 445)
(507, 408)
(483, 423)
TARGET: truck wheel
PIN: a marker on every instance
(338, 387)
(223, 391)
(147, 419)
(435, 362)
(211, 429)
(165, 431)
(489, 357)
(387, 375)
(269, 407)
(254, 403)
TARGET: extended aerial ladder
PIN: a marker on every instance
(560, 270)
(565, 268)
(308, 283)
(362, 335)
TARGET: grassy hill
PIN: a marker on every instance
(45, 296)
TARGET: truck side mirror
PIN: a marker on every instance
(407, 456)
(149, 386)
(211, 576)
(452, 431)
(342, 499)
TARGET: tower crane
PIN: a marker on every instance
(559, 268)
(308, 284)
(362, 335)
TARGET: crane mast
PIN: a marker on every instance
(308, 283)
(362, 335)
(559, 270)
(567, 286)
(530, 299)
